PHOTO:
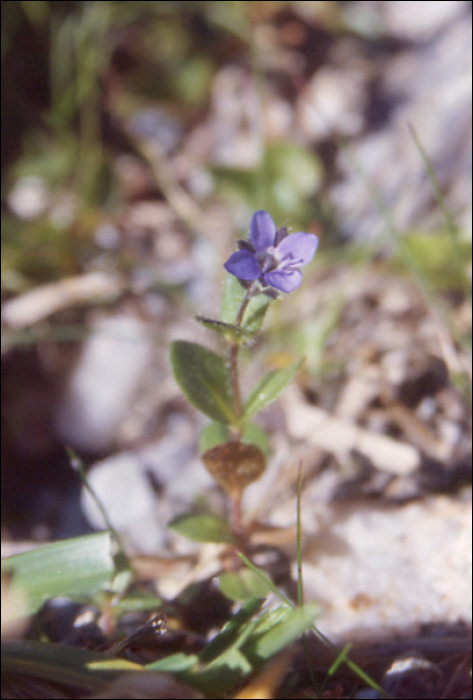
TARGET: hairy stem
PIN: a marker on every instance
(235, 513)
(234, 349)
(244, 304)
(235, 381)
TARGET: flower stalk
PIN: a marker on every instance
(269, 262)
(265, 265)
(234, 349)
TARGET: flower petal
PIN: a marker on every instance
(281, 234)
(262, 230)
(297, 249)
(243, 265)
(284, 280)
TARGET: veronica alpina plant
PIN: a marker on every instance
(266, 264)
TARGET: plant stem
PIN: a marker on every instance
(234, 349)
(244, 304)
(235, 513)
(235, 382)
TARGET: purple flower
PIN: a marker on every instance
(272, 256)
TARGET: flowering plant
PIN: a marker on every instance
(234, 448)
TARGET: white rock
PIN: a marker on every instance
(102, 386)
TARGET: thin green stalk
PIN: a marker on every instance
(77, 464)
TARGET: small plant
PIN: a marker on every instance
(265, 265)
(95, 567)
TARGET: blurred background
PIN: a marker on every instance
(138, 138)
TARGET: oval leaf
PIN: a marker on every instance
(253, 434)
(203, 528)
(269, 388)
(203, 379)
(241, 585)
(232, 296)
(234, 633)
(213, 434)
(282, 631)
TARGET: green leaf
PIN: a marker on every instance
(234, 633)
(220, 664)
(253, 434)
(214, 434)
(203, 528)
(241, 585)
(255, 313)
(239, 184)
(259, 572)
(294, 171)
(269, 388)
(243, 645)
(283, 184)
(228, 330)
(232, 298)
(435, 258)
(176, 664)
(203, 379)
(78, 566)
(219, 678)
(136, 602)
(285, 626)
(62, 664)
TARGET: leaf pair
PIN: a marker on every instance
(204, 380)
(253, 317)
